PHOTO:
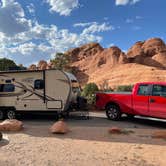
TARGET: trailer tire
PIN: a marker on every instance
(113, 112)
(11, 114)
(2, 115)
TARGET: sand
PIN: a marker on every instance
(88, 143)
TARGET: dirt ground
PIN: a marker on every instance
(88, 143)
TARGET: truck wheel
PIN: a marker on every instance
(11, 114)
(113, 112)
(1, 115)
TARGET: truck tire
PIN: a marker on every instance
(113, 112)
(1, 115)
(11, 114)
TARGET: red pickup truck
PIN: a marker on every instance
(146, 99)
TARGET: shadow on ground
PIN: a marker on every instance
(96, 129)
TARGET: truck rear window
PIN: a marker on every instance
(159, 90)
(143, 90)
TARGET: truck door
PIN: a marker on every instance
(141, 100)
(157, 101)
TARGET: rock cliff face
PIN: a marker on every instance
(144, 61)
(109, 67)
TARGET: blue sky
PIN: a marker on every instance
(31, 30)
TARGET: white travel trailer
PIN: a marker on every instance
(39, 90)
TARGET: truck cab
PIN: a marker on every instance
(146, 99)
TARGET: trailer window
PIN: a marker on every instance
(39, 84)
(143, 90)
(7, 88)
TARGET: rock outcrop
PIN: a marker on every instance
(11, 125)
(109, 67)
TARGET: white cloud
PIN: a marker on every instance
(36, 41)
(96, 27)
(31, 9)
(63, 7)
(84, 24)
(12, 18)
(125, 2)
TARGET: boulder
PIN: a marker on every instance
(11, 125)
(159, 134)
(115, 130)
(59, 127)
(1, 136)
(153, 46)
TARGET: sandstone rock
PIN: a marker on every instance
(1, 136)
(136, 50)
(59, 127)
(115, 130)
(32, 67)
(159, 134)
(160, 58)
(144, 61)
(11, 125)
(42, 65)
(153, 46)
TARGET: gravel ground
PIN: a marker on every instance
(88, 143)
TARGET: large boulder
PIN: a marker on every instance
(59, 127)
(136, 50)
(84, 51)
(153, 46)
(11, 125)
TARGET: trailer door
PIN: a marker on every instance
(56, 89)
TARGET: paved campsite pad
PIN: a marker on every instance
(88, 143)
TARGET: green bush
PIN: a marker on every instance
(89, 92)
(124, 88)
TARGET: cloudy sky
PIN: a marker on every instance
(31, 30)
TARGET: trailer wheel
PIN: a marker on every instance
(1, 115)
(11, 114)
(113, 112)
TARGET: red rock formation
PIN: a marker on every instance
(144, 61)
(32, 67)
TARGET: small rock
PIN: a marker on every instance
(115, 130)
(159, 134)
(59, 127)
(1, 136)
(11, 125)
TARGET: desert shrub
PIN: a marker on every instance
(89, 92)
(124, 88)
(61, 62)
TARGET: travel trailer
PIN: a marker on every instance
(39, 90)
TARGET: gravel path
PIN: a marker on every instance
(88, 143)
